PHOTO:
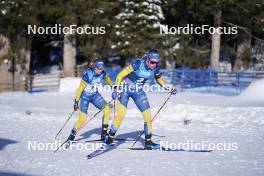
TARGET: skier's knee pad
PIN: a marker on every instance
(147, 119)
(81, 120)
(121, 112)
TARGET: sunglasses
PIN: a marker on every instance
(153, 62)
(99, 68)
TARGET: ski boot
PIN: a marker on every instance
(104, 132)
(71, 137)
(109, 138)
(149, 145)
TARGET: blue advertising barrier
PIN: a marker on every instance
(186, 78)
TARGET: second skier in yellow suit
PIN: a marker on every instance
(87, 93)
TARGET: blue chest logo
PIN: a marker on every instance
(144, 73)
(96, 80)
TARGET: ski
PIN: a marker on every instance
(87, 141)
(171, 149)
(103, 149)
(123, 139)
(100, 140)
(92, 140)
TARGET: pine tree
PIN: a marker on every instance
(137, 29)
(15, 15)
(248, 15)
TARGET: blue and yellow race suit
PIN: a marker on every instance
(135, 75)
(88, 93)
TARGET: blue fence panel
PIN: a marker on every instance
(187, 78)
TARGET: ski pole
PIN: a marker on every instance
(60, 146)
(86, 122)
(114, 108)
(154, 117)
(69, 116)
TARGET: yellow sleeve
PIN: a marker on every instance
(161, 81)
(82, 86)
(126, 71)
(108, 80)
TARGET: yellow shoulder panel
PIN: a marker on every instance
(108, 80)
(126, 71)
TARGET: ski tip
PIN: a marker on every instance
(89, 157)
(209, 151)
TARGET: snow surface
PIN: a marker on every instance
(69, 84)
(214, 118)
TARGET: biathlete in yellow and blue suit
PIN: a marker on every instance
(135, 75)
(87, 93)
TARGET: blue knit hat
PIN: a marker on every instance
(99, 64)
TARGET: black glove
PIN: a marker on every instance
(76, 105)
(173, 91)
